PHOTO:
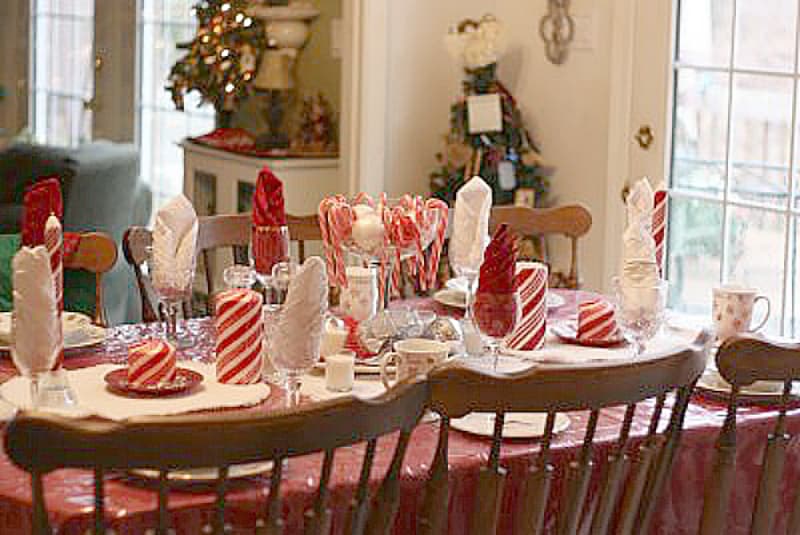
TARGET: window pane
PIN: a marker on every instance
(792, 322)
(761, 138)
(754, 255)
(63, 78)
(701, 129)
(765, 34)
(705, 32)
(694, 253)
(164, 24)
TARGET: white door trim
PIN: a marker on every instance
(365, 94)
(619, 136)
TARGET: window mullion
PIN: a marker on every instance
(787, 260)
(728, 142)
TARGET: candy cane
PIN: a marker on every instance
(341, 227)
(436, 247)
(324, 227)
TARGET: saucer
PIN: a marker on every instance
(185, 380)
(567, 332)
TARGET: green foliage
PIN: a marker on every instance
(513, 144)
(221, 60)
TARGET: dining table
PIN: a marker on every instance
(130, 501)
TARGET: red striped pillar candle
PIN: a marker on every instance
(660, 198)
(596, 320)
(53, 242)
(151, 362)
(532, 287)
(239, 327)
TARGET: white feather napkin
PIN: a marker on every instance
(300, 326)
(470, 234)
(174, 243)
(638, 247)
(36, 329)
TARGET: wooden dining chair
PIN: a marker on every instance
(593, 387)
(573, 221)
(742, 361)
(42, 442)
(97, 254)
(214, 232)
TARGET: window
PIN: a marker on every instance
(62, 34)
(734, 166)
(162, 25)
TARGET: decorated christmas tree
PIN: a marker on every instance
(505, 155)
(221, 60)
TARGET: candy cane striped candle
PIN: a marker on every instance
(660, 224)
(151, 362)
(239, 327)
(53, 242)
(596, 320)
(532, 287)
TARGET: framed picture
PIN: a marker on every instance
(525, 197)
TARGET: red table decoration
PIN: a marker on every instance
(270, 238)
(529, 334)
(239, 328)
(151, 362)
(495, 305)
(596, 321)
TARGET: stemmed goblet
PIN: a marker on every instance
(173, 290)
(640, 310)
(495, 316)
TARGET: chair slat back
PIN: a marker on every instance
(214, 232)
(136, 243)
(456, 391)
(191, 441)
(97, 254)
(742, 361)
(573, 221)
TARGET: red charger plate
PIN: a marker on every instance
(185, 380)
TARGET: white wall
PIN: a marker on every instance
(566, 107)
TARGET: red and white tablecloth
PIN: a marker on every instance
(131, 505)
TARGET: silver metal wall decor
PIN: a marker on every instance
(557, 29)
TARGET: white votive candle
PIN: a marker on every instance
(333, 340)
(340, 371)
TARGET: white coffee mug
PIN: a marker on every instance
(412, 357)
(733, 310)
(360, 299)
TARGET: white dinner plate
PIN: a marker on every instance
(79, 332)
(207, 475)
(453, 296)
(515, 425)
(713, 382)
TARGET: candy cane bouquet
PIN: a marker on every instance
(384, 233)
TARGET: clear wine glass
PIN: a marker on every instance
(172, 292)
(292, 366)
(36, 365)
(640, 310)
(495, 316)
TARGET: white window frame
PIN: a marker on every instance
(728, 201)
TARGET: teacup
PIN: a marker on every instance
(733, 310)
(412, 357)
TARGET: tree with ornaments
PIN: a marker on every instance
(221, 60)
(504, 154)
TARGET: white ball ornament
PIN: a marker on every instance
(368, 232)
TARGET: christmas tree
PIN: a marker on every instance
(507, 159)
(222, 58)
